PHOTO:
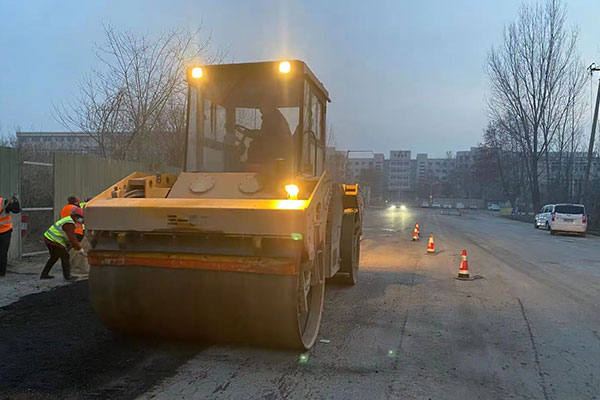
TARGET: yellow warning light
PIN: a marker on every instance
(285, 67)
(292, 191)
(197, 72)
(290, 204)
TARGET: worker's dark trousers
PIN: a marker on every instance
(57, 252)
(4, 245)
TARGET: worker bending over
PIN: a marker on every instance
(6, 206)
(73, 201)
(57, 239)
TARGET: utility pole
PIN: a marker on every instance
(586, 179)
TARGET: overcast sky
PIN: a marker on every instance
(401, 74)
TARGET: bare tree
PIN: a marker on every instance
(331, 137)
(568, 139)
(503, 159)
(7, 139)
(530, 81)
(133, 105)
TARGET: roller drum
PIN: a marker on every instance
(207, 305)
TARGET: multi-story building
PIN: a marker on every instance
(440, 168)
(69, 142)
(420, 168)
(367, 168)
(359, 162)
(399, 175)
(337, 164)
(465, 158)
(559, 164)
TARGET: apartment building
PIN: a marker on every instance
(68, 142)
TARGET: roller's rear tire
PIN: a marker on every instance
(350, 249)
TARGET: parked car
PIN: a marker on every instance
(436, 204)
(473, 206)
(494, 207)
(425, 204)
(460, 206)
(568, 218)
(447, 206)
(542, 218)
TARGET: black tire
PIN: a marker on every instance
(547, 226)
(350, 249)
(582, 234)
(552, 232)
(535, 225)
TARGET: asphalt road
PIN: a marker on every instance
(528, 327)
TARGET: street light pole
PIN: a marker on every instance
(592, 68)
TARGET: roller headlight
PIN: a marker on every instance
(197, 72)
(285, 67)
(292, 191)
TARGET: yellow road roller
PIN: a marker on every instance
(236, 248)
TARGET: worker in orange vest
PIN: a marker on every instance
(6, 206)
(73, 201)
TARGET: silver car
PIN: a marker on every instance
(569, 218)
(542, 218)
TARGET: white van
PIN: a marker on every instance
(542, 218)
(568, 218)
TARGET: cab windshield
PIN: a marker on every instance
(248, 120)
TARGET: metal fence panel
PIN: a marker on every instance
(9, 185)
(86, 176)
(37, 203)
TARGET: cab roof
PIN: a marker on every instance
(262, 69)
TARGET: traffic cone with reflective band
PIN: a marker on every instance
(431, 246)
(417, 227)
(463, 270)
(416, 234)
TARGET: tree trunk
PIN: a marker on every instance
(535, 184)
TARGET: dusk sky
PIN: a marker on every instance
(402, 75)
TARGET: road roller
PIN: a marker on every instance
(237, 247)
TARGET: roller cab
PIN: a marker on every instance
(236, 248)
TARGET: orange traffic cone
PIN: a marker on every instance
(463, 270)
(416, 234)
(417, 227)
(431, 246)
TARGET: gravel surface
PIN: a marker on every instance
(23, 278)
(528, 327)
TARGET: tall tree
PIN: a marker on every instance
(502, 159)
(529, 73)
(133, 105)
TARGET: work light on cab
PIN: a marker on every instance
(292, 191)
(285, 67)
(197, 72)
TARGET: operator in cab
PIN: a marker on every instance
(273, 140)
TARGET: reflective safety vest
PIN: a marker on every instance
(66, 212)
(56, 233)
(5, 221)
(79, 228)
